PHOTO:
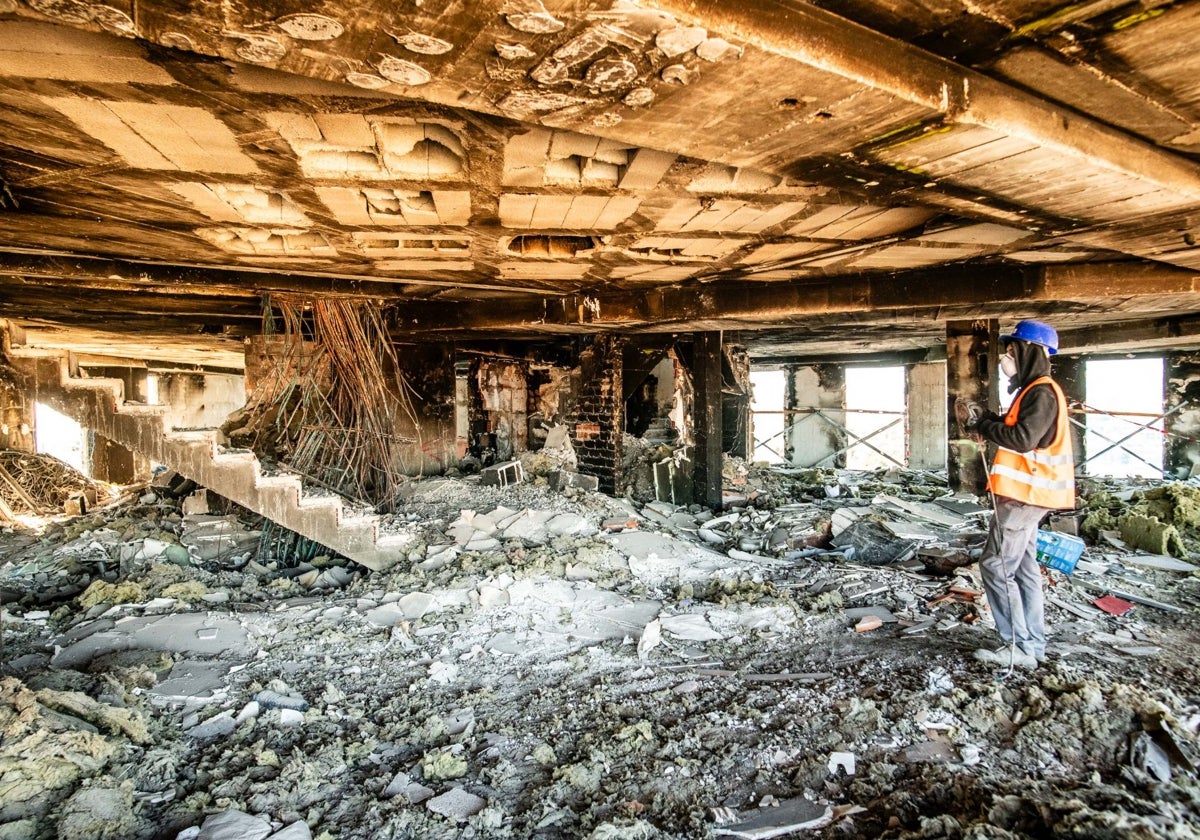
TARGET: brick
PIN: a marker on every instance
(587, 431)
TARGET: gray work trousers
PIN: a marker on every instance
(1012, 577)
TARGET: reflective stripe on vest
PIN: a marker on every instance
(1042, 477)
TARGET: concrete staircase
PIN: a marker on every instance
(99, 405)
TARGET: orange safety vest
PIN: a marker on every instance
(1041, 477)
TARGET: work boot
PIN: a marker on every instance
(1004, 655)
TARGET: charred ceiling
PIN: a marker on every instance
(821, 177)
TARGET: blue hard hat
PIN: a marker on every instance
(1035, 332)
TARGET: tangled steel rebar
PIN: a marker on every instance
(40, 484)
(334, 408)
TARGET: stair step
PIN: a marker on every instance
(317, 502)
(326, 518)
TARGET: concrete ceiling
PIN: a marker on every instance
(821, 178)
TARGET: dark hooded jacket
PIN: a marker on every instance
(1038, 417)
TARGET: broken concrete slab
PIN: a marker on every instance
(691, 626)
(659, 557)
(196, 634)
(569, 524)
(933, 513)
(403, 785)
(869, 542)
(790, 816)
(220, 538)
(193, 682)
(233, 825)
(529, 526)
(1160, 561)
(882, 613)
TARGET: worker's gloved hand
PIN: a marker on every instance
(969, 413)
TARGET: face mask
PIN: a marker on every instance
(1008, 365)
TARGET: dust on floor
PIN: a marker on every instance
(577, 666)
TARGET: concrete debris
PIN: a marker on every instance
(503, 474)
(218, 538)
(841, 762)
(457, 804)
(620, 663)
(563, 479)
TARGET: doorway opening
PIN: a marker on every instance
(58, 435)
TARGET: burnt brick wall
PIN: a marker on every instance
(598, 419)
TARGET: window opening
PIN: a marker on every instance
(1123, 394)
(768, 388)
(875, 414)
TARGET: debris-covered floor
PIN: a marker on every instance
(573, 665)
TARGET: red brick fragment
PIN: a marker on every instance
(868, 623)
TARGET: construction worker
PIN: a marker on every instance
(1033, 474)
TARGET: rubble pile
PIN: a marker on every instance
(559, 663)
(39, 484)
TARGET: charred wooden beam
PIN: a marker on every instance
(1147, 335)
(828, 42)
(752, 306)
(102, 272)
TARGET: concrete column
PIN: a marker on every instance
(16, 418)
(926, 432)
(1070, 372)
(735, 412)
(707, 415)
(811, 440)
(462, 408)
(972, 357)
(600, 412)
(1182, 373)
(16, 405)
